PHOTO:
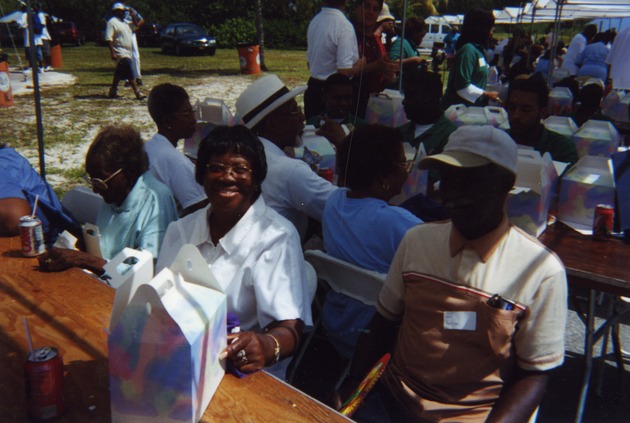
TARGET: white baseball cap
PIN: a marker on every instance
(118, 6)
(474, 146)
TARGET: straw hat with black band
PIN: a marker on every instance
(263, 97)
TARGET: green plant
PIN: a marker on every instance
(233, 31)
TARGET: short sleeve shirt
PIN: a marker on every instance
(119, 33)
(140, 222)
(292, 188)
(332, 44)
(174, 170)
(470, 68)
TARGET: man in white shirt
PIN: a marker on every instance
(170, 108)
(332, 48)
(577, 46)
(119, 39)
(291, 188)
(619, 60)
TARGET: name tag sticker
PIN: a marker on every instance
(460, 320)
(482, 62)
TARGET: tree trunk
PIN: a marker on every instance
(260, 33)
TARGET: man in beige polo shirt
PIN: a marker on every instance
(481, 306)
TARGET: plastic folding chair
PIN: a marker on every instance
(351, 280)
(83, 203)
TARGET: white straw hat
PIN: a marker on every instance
(263, 97)
(474, 146)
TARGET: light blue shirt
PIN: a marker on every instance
(364, 231)
(592, 61)
(140, 222)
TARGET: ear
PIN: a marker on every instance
(544, 113)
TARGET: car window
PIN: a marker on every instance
(434, 29)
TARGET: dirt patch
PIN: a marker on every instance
(71, 121)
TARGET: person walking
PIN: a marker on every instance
(119, 39)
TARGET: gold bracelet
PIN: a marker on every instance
(276, 351)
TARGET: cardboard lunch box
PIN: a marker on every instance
(320, 149)
(164, 345)
(529, 201)
(461, 115)
(386, 108)
(586, 185)
(596, 138)
(561, 124)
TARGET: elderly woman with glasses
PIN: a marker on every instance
(359, 226)
(137, 208)
(252, 251)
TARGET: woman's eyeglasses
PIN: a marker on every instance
(100, 184)
(216, 168)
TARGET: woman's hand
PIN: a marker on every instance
(492, 95)
(59, 259)
(249, 351)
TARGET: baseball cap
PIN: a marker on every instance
(118, 6)
(474, 146)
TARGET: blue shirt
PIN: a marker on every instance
(592, 61)
(140, 222)
(18, 179)
(365, 232)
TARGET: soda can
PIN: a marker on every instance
(603, 222)
(327, 174)
(43, 372)
(32, 236)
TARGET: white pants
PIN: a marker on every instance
(135, 57)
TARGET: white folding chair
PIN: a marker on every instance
(83, 203)
(351, 280)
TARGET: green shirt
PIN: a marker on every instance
(434, 139)
(470, 68)
(561, 147)
(409, 50)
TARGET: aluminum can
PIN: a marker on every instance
(603, 222)
(327, 174)
(32, 236)
(43, 372)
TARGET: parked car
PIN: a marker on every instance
(148, 35)
(67, 33)
(187, 38)
(435, 34)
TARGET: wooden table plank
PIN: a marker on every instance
(599, 265)
(69, 310)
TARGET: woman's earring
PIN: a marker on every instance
(385, 187)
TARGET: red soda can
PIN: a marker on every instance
(43, 371)
(32, 236)
(327, 174)
(603, 222)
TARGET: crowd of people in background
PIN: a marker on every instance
(249, 206)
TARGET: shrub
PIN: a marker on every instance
(233, 31)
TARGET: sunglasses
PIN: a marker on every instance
(100, 184)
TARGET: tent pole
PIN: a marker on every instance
(36, 93)
(552, 57)
(402, 40)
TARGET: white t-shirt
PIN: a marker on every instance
(292, 188)
(119, 33)
(619, 60)
(332, 43)
(174, 170)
